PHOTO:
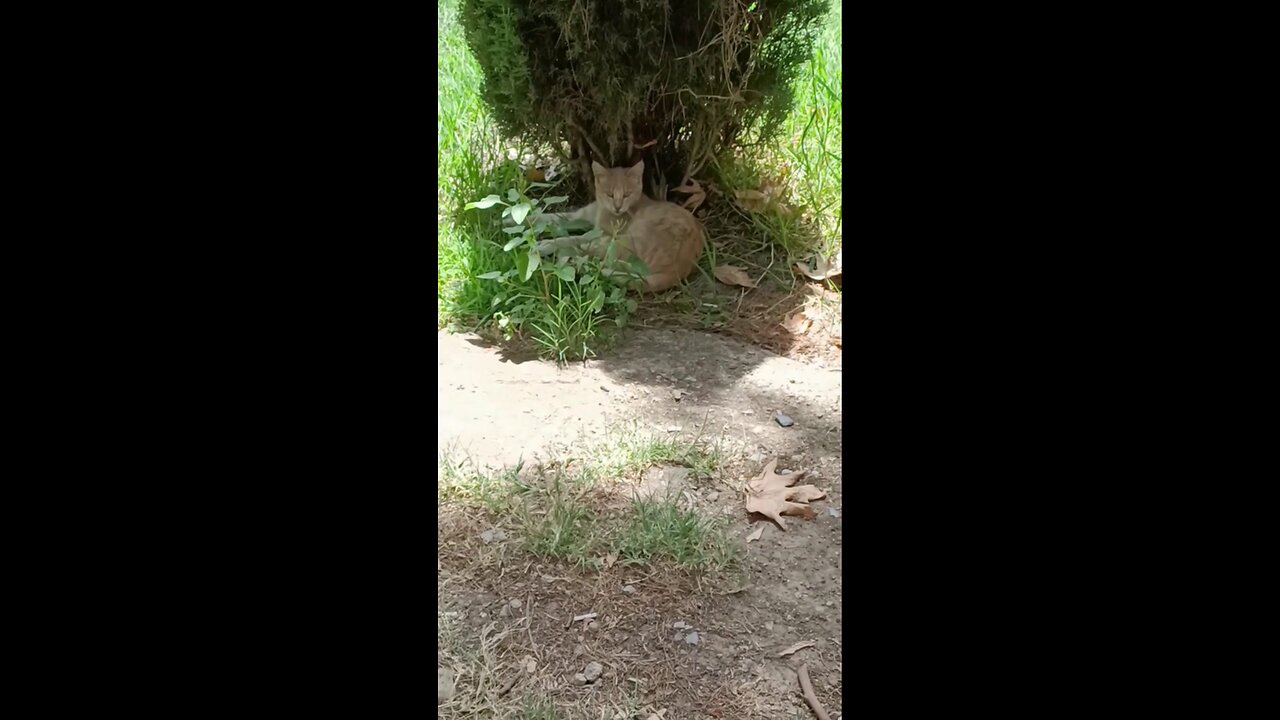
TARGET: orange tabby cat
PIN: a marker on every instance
(665, 236)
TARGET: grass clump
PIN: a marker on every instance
(661, 528)
(628, 450)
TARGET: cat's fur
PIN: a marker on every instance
(664, 235)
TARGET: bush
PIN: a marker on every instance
(669, 81)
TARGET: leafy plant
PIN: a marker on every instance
(616, 80)
(565, 302)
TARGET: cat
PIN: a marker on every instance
(665, 236)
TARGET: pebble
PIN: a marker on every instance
(783, 420)
(832, 511)
(580, 679)
(628, 588)
(592, 671)
(515, 604)
(490, 535)
(676, 395)
(680, 625)
(691, 638)
(712, 497)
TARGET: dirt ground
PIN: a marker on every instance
(515, 611)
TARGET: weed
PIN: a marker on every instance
(627, 450)
(660, 527)
(559, 525)
(460, 481)
(536, 708)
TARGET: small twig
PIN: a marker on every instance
(506, 687)
(809, 697)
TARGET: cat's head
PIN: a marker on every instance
(618, 188)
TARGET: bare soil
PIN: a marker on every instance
(500, 409)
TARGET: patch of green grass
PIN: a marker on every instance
(628, 450)
(660, 528)
(556, 523)
(536, 708)
(460, 481)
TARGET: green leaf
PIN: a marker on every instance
(555, 199)
(631, 305)
(485, 203)
(534, 261)
(566, 273)
(597, 302)
(513, 230)
(518, 212)
(522, 265)
(585, 278)
(541, 184)
(637, 266)
(512, 243)
(512, 195)
(591, 234)
(494, 275)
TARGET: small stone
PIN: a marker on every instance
(629, 589)
(505, 611)
(677, 394)
(444, 685)
(580, 679)
(592, 671)
(783, 420)
(691, 638)
(712, 497)
(487, 536)
(832, 511)
(680, 625)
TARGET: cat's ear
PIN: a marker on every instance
(598, 169)
(637, 170)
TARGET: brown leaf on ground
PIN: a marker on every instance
(732, 275)
(752, 200)
(756, 535)
(822, 268)
(536, 175)
(774, 495)
(797, 646)
(798, 323)
(695, 192)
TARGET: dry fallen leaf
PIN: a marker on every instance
(609, 560)
(756, 535)
(536, 175)
(797, 646)
(732, 275)
(798, 324)
(695, 192)
(774, 495)
(752, 200)
(822, 269)
(530, 665)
